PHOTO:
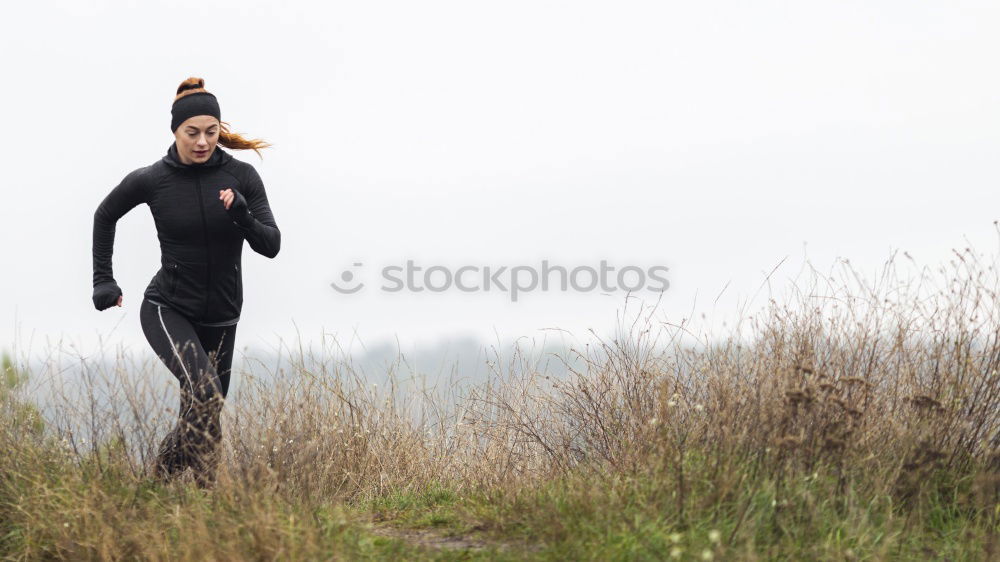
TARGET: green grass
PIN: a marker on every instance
(617, 517)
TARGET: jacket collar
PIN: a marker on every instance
(218, 158)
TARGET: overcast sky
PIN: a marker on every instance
(712, 138)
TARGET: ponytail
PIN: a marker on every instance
(237, 141)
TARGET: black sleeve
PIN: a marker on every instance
(122, 199)
(262, 233)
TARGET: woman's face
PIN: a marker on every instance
(196, 138)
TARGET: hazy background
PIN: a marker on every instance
(715, 138)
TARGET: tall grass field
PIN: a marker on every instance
(856, 417)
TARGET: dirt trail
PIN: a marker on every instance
(431, 539)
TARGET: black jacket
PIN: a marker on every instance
(201, 243)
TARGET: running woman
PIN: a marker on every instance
(204, 203)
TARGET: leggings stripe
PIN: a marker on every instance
(177, 354)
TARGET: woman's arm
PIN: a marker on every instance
(252, 215)
(123, 198)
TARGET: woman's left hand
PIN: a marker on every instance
(227, 196)
(236, 206)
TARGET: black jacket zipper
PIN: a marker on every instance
(208, 252)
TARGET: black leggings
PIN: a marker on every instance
(201, 357)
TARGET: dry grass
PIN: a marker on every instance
(850, 418)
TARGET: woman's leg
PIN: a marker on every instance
(176, 342)
(219, 342)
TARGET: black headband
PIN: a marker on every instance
(198, 103)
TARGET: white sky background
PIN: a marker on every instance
(715, 138)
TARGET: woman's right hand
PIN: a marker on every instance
(106, 295)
